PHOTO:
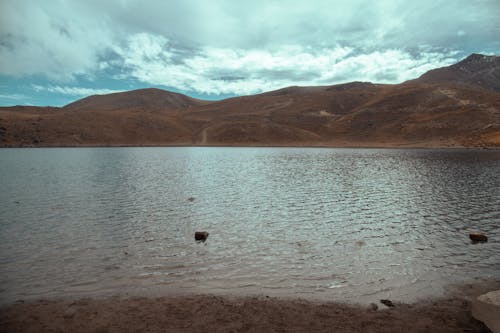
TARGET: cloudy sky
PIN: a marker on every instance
(56, 51)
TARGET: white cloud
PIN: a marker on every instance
(14, 96)
(73, 91)
(59, 39)
(266, 24)
(238, 47)
(210, 70)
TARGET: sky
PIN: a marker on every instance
(56, 51)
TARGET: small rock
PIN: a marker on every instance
(201, 236)
(69, 313)
(373, 307)
(477, 237)
(387, 302)
(486, 308)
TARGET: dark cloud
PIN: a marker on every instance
(292, 74)
(228, 78)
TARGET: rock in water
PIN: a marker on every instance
(201, 236)
(486, 308)
(477, 237)
(387, 302)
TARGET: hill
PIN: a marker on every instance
(150, 99)
(458, 105)
(476, 70)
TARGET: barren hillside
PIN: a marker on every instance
(457, 105)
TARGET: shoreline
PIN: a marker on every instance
(204, 313)
(397, 146)
(216, 313)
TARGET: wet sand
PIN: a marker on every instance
(205, 313)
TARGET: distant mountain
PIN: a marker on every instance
(454, 106)
(476, 69)
(151, 99)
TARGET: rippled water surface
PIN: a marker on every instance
(345, 224)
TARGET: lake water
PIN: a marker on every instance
(332, 224)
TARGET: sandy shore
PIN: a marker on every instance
(205, 313)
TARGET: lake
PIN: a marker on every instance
(330, 224)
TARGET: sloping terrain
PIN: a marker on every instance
(457, 105)
(476, 69)
(151, 99)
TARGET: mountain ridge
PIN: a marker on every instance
(453, 106)
(153, 98)
(476, 69)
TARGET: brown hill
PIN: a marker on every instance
(150, 99)
(476, 69)
(453, 106)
